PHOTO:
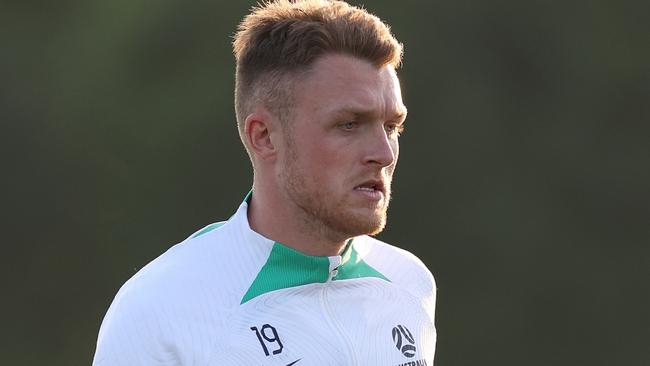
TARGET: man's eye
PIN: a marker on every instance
(348, 125)
(394, 130)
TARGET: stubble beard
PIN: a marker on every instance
(329, 216)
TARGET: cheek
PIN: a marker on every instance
(327, 169)
(327, 166)
(395, 147)
(323, 154)
(316, 162)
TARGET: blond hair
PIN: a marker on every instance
(281, 39)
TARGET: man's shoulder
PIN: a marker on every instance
(208, 259)
(191, 257)
(388, 254)
(185, 286)
(399, 265)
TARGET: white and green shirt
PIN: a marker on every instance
(229, 296)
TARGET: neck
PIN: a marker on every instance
(279, 220)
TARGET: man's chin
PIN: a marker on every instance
(365, 224)
(376, 229)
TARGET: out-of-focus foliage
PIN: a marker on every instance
(523, 183)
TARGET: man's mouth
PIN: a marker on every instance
(371, 186)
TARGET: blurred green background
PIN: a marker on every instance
(523, 182)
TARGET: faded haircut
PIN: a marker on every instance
(279, 41)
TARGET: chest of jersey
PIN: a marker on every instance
(353, 322)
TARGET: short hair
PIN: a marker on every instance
(281, 39)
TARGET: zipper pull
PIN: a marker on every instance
(335, 262)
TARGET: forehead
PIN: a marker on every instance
(337, 82)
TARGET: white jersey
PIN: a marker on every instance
(229, 296)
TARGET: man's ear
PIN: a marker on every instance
(259, 128)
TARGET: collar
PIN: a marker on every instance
(286, 267)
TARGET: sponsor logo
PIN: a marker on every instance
(404, 340)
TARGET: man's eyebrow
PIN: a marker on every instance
(401, 114)
(358, 111)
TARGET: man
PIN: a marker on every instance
(292, 278)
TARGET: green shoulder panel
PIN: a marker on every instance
(354, 267)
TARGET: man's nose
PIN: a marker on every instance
(381, 150)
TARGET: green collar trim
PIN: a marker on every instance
(287, 267)
(208, 228)
(216, 225)
(352, 266)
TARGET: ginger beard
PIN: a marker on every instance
(333, 215)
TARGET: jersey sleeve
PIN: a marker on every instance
(134, 333)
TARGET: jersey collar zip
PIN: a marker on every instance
(286, 267)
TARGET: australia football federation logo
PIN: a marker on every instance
(404, 340)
